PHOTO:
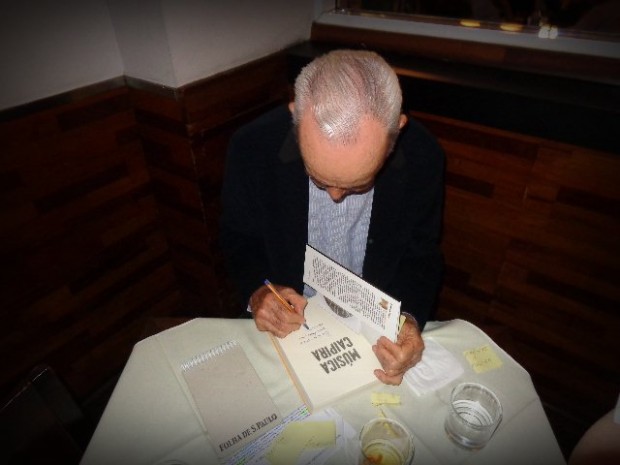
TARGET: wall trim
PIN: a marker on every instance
(153, 88)
(63, 98)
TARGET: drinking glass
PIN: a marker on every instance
(386, 442)
(474, 413)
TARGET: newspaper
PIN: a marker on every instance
(375, 313)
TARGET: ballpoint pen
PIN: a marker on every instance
(284, 302)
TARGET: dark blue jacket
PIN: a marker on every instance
(264, 226)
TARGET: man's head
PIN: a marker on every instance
(347, 113)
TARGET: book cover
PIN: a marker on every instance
(229, 397)
(329, 360)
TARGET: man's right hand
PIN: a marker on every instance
(271, 315)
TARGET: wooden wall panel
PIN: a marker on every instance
(185, 134)
(84, 260)
(531, 249)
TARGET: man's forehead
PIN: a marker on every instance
(338, 166)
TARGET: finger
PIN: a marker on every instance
(410, 342)
(265, 320)
(394, 358)
(279, 310)
(294, 318)
(292, 296)
(267, 314)
(390, 354)
(391, 372)
(394, 380)
(290, 321)
(275, 318)
(269, 321)
(298, 302)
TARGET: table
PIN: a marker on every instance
(149, 419)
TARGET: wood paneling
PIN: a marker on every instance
(530, 243)
(84, 259)
(185, 134)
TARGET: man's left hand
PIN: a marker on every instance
(397, 357)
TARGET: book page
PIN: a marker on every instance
(327, 361)
(378, 312)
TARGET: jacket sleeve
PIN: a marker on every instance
(420, 271)
(240, 232)
(247, 237)
(404, 256)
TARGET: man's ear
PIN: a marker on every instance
(291, 107)
(402, 121)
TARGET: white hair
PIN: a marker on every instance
(342, 86)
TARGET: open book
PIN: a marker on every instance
(327, 361)
(331, 359)
(367, 309)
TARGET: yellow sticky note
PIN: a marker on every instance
(482, 359)
(298, 436)
(380, 398)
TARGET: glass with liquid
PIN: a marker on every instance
(386, 442)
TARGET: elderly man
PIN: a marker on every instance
(344, 171)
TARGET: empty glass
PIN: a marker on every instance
(474, 413)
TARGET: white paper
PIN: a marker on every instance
(378, 312)
(436, 369)
(256, 452)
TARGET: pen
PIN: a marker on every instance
(284, 302)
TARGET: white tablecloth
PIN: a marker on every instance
(149, 419)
